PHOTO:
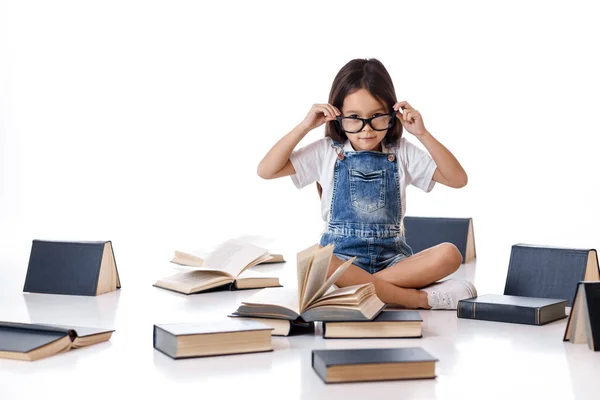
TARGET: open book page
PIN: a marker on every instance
(303, 260)
(233, 256)
(334, 277)
(317, 274)
(283, 297)
(349, 295)
(193, 279)
(188, 258)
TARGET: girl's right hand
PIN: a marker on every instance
(319, 114)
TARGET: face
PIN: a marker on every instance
(363, 105)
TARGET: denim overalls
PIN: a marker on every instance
(365, 211)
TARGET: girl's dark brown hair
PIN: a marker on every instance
(369, 74)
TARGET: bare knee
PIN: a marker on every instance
(449, 257)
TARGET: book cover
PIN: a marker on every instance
(424, 232)
(366, 359)
(514, 309)
(549, 272)
(72, 268)
(388, 324)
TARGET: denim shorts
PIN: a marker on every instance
(373, 254)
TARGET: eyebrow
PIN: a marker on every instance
(357, 112)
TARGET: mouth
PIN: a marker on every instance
(367, 138)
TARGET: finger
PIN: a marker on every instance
(400, 115)
(396, 106)
(337, 110)
(408, 117)
(332, 112)
(329, 115)
(404, 105)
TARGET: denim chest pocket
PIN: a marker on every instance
(367, 190)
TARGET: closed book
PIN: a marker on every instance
(186, 340)
(388, 324)
(364, 365)
(30, 342)
(584, 320)
(73, 268)
(549, 272)
(424, 232)
(515, 309)
(281, 327)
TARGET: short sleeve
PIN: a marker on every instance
(308, 162)
(419, 165)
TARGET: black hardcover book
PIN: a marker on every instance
(549, 272)
(424, 232)
(361, 365)
(186, 340)
(75, 268)
(388, 324)
(515, 309)
(584, 320)
(29, 342)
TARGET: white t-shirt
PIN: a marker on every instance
(316, 163)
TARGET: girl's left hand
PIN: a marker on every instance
(411, 119)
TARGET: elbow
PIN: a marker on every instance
(462, 182)
(260, 171)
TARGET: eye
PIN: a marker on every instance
(377, 115)
(355, 116)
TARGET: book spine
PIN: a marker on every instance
(502, 313)
(319, 366)
(465, 309)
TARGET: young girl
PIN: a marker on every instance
(362, 168)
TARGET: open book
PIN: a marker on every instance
(225, 268)
(313, 301)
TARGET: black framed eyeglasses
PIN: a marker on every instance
(379, 122)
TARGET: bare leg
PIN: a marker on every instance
(387, 292)
(423, 268)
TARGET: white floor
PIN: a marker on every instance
(476, 359)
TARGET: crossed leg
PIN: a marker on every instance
(399, 283)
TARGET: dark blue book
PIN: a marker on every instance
(514, 309)
(549, 272)
(74, 268)
(212, 338)
(388, 324)
(424, 232)
(364, 365)
(584, 320)
(30, 342)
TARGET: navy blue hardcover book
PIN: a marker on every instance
(388, 324)
(424, 232)
(211, 338)
(74, 268)
(514, 309)
(363, 365)
(549, 272)
(584, 319)
(30, 342)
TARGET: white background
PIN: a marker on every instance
(143, 122)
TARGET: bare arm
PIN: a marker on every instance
(276, 163)
(449, 172)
